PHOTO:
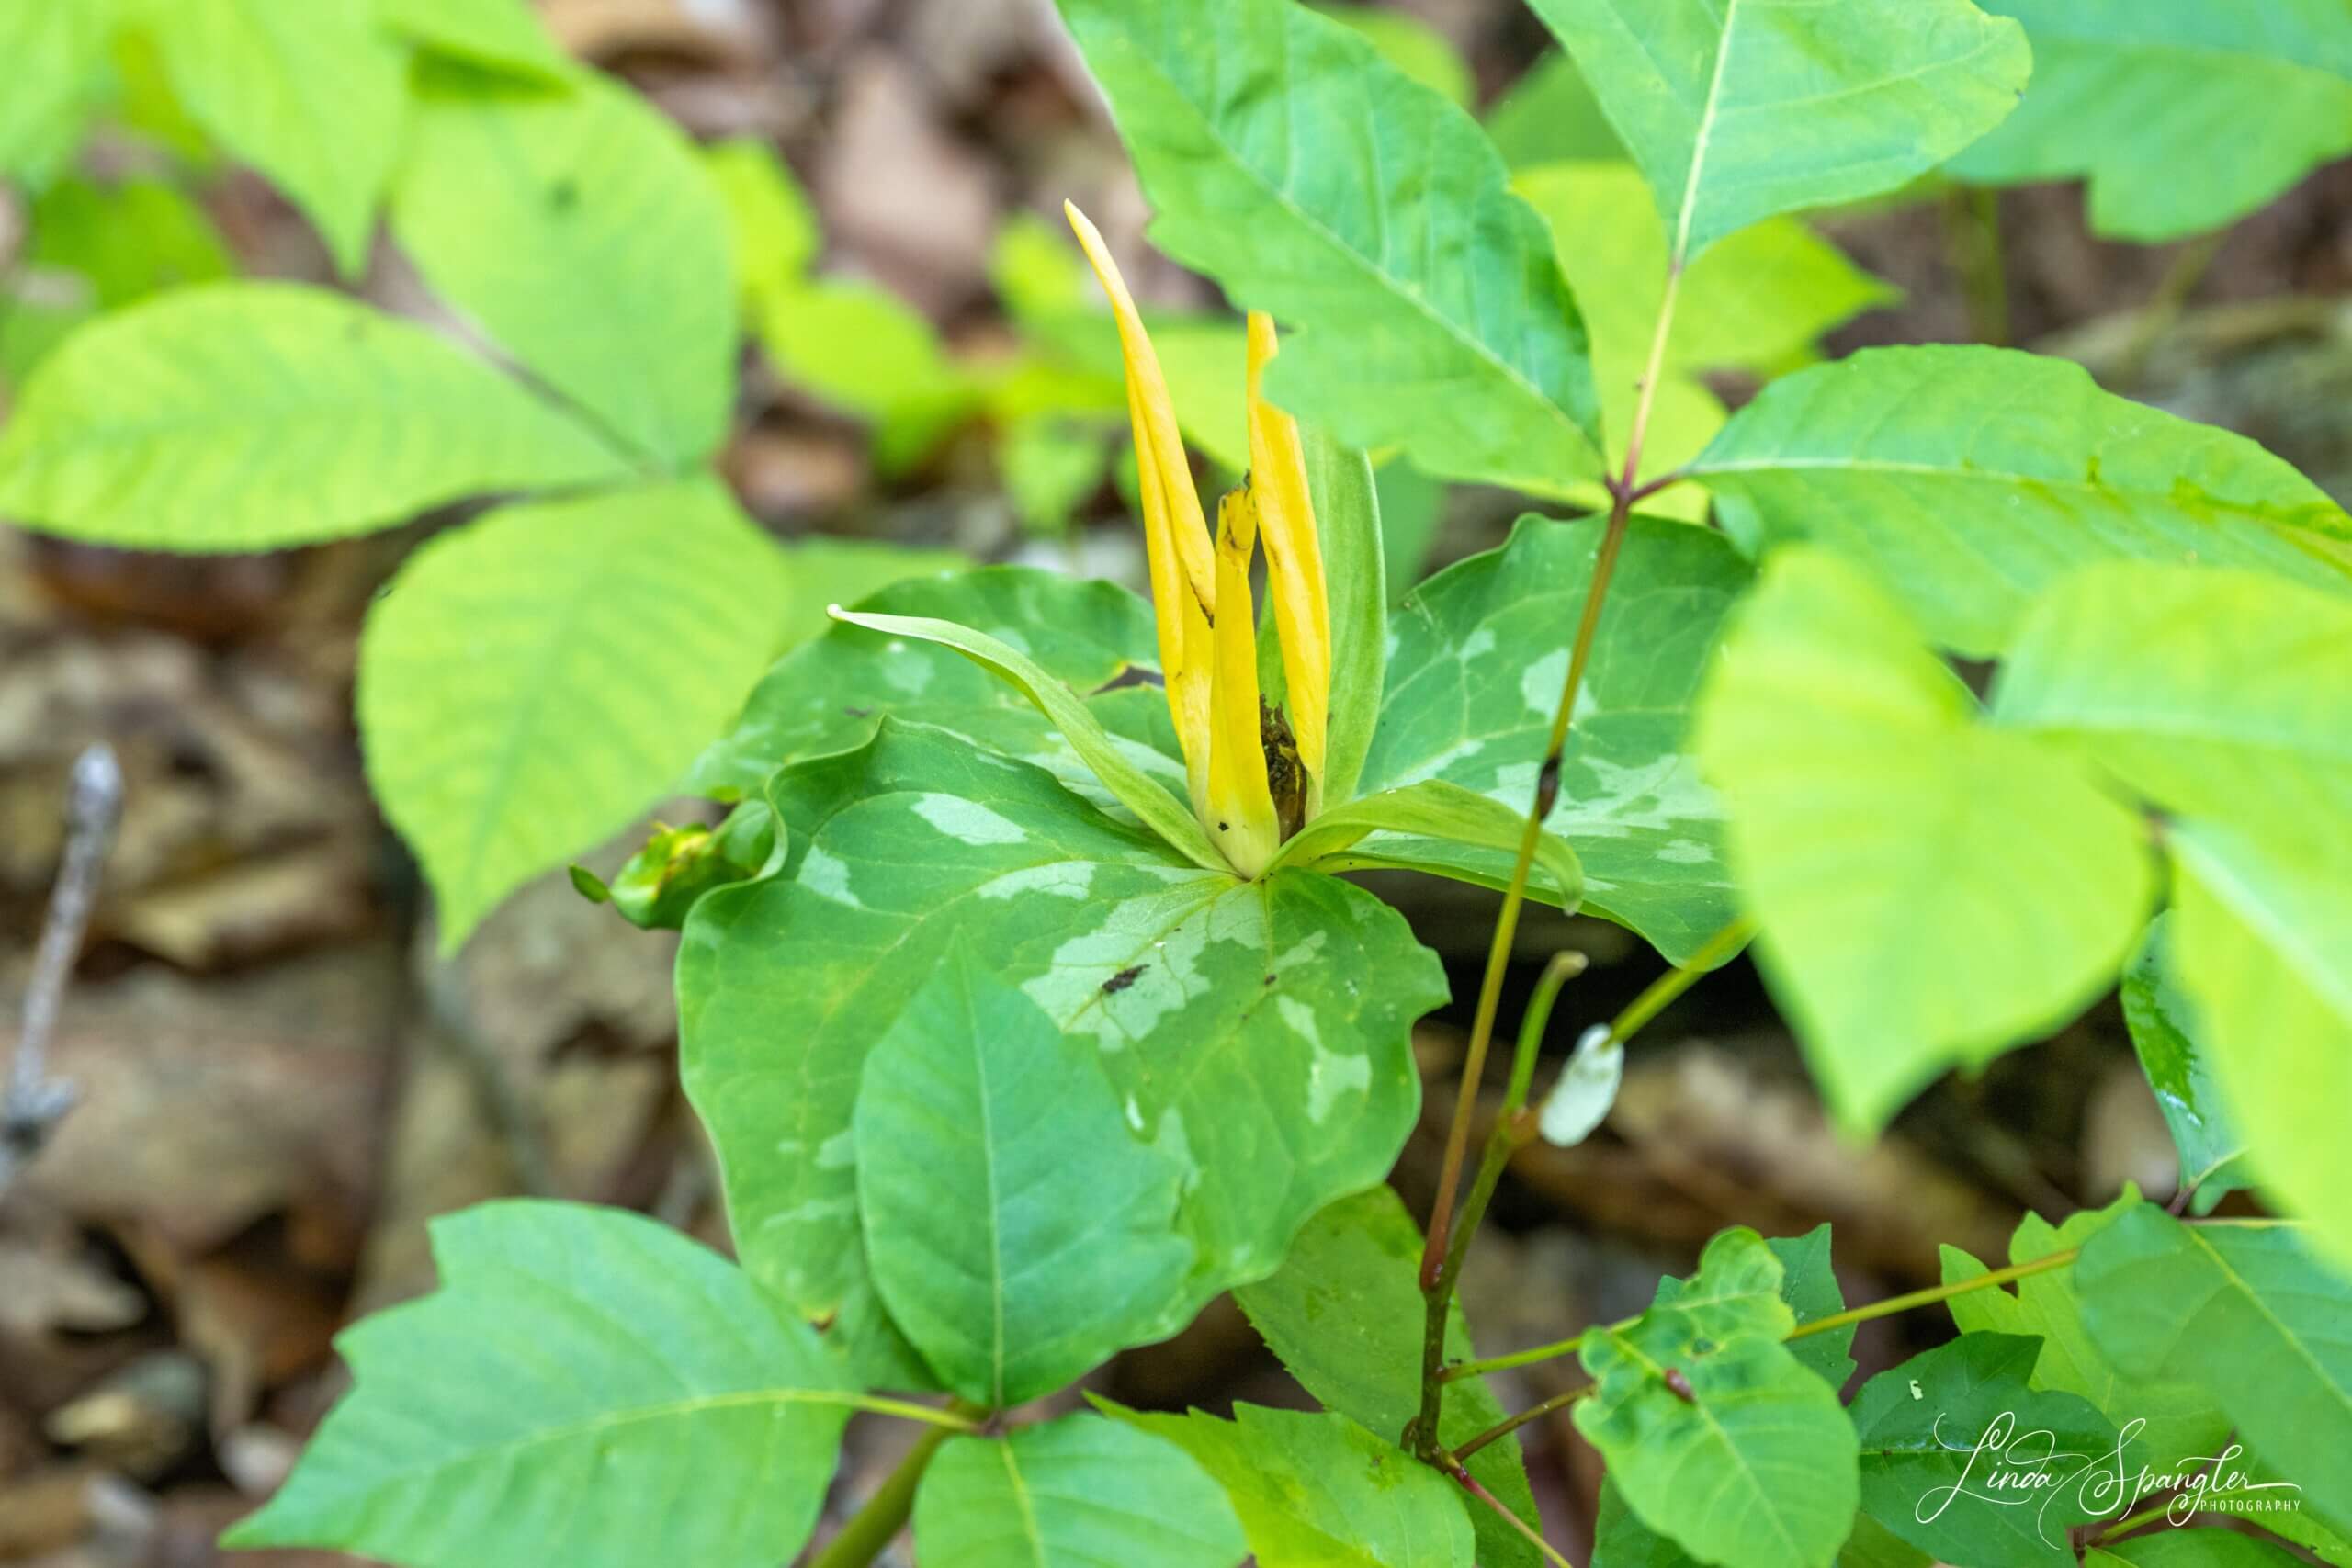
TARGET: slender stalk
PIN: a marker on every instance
(1972, 230)
(885, 1514)
(1529, 1358)
(1505, 1427)
(1437, 1289)
(1661, 992)
(1469, 1484)
(951, 1419)
(2131, 1522)
(1928, 1297)
(2166, 305)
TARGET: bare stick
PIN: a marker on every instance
(33, 1103)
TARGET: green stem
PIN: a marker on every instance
(1935, 1293)
(1661, 992)
(1504, 1428)
(1973, 229)
(1436, 1289)
(885, 1514)
(2164, 309)
(2131, 1522)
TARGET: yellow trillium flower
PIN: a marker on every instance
(1255, 772)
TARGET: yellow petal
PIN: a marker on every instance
(1293, 562)
(1241, 820)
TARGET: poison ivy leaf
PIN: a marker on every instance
(1622, 1540)
(57, 59)
(1878, 456)
(2257, 1478)
(1230, 1016)
(1134, 787)
(861, 349)
(1738, 110)
(1932, 891)
(829, 696)
(2180, 1421)
(1413, 47)
(776, 235)
(502, 35)
(574, 1362)
(1344, 1314)
(1050, 465)
(1809, 1285)
(579, 231)
(129, 238)
(253, 416)
(2164, 1032)
(530, 681)
(2184, 116)
(1079, 1490)
(1019, 1234)
(1965, 1461)
(1481, 657)
(2264, 920)
(315, 97)
(2208, 1547)
(2245, 1312)
(1714, 1433)
(1550, 115)
(1316, 182)
(1412, 504)
(1315, 1490)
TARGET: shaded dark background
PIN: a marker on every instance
(282, 1083)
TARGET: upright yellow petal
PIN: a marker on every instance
(1293, 562)
(1176, 536)
(1241, 820)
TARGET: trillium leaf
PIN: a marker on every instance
(1344, 1315)
(1230, 1017)
(582, 1361)
(1715, 1433)
(2180, 1421)
(1481, 656)
(1347, 514)
(579, 230)
(829, 696)
(249, 416)
(1316, 182)
(530, 682)
(1135, 789)
(1944, 1432)
(315, 97)
(1020, 1235)
(1930, 891)
(2184, 116)
(1080, 1490)
(1738, 110)
(1316, 1488)
(1880, 456)
(2249, 1314)
(1433, 809)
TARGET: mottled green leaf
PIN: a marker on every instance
(56, 55)
(2181, 1422)
(2164, 1032)
(1481, 657)
(1971, 479)
(1739, 110)
(1932, 891)
(1437, 811)
(1344, 1315)
(1134, 788)
(250, 416)
(1081, 1491)
(1715, 1433)
(533, 679)
(1019, 1234)
(1315, 1490)
(313, 95)
(2264, 925)
(502, 35)
(2184, 115)
(574, 1363)
(2247, 1314)
(1231, 1017)
(829, 696)
(579, 231)
(1962, 1459)
(1314, 180)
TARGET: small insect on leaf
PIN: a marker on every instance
(1123, 979)
(1677, 1383)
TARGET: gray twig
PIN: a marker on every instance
(32, 1103)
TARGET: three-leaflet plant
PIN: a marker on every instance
(1022, 992)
